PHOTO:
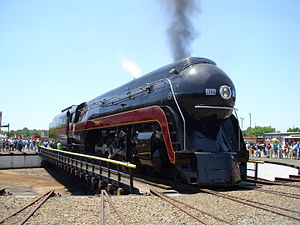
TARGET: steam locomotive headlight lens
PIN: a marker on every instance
(225, 92)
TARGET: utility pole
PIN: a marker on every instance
(242, 121)
(250, 119)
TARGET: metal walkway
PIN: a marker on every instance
(95, 172)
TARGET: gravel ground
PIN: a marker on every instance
(152, 210)
(35, 181)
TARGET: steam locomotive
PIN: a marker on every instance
(177, 121)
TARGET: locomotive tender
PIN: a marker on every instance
(177, 120)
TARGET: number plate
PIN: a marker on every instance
(210, 91)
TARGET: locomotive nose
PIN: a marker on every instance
(205, 91)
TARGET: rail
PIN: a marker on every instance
(184, 208)
(251, 203)
(97, 170)
(280, 193)
(104, 193)
(39, 202)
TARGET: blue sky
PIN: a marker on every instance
(57, 53)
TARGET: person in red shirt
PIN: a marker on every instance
(286, 150)
(269, 149)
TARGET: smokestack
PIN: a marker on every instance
(181, 32)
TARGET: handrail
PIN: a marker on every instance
(239, 129)
(142, 89)
(256, 161)
(127, 164)
(181, 114)
(128, 94)
(213, 107)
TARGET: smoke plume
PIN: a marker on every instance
(129, 66)
(181, 32)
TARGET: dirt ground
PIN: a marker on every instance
(33, 181)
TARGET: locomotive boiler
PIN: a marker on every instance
(177, 121)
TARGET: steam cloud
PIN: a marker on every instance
(129, 66)
(181, 32)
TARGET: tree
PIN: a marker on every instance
(294, 129)
(25, 133)
(258, 131)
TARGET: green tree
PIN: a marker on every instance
(294, 129)
(25, 133)
(258, 131)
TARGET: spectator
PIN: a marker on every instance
(258, 152)
(286, 150)
(253, 150)
(298, 150)
(261, 147)
(45, 143)
(269, 150)
(5, 145)
(34, 145)
(280, 151)
(11, 144)
(39, 143)
(276, 148)
(52, 144)
(295, 149)
(19, 146)
(27, 144)
(58, 145)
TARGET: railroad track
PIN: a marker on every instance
(255, 204)
(36, 203)
(179, 205)
(282, 183)
(105, 194)
(280, 193)
(159, 183)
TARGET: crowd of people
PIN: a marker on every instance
(269, 150)
(274, 150)
(20, 144)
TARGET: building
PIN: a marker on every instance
(253, 139)
(281, 137)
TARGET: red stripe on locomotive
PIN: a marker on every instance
(148, 114)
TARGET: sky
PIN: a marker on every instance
(56, 53)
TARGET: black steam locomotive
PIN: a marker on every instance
(177, 120)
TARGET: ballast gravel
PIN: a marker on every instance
(136, 209)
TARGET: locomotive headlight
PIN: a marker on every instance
(225, 92)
